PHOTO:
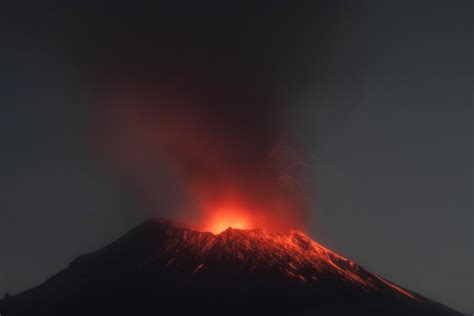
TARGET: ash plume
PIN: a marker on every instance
(218, 142)
(192, 95)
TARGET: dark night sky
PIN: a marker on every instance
(379, 95)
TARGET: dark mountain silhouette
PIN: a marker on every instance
(161, 268)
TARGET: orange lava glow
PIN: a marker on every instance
(223, 219)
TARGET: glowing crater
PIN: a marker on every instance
(225, 218)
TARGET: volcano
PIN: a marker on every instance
(162, 268)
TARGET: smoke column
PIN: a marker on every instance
(220, 143)
(191, 92)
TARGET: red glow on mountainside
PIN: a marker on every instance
(292, 254)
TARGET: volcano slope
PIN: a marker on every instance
(160, 268)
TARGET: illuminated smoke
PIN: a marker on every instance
(219, 143)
